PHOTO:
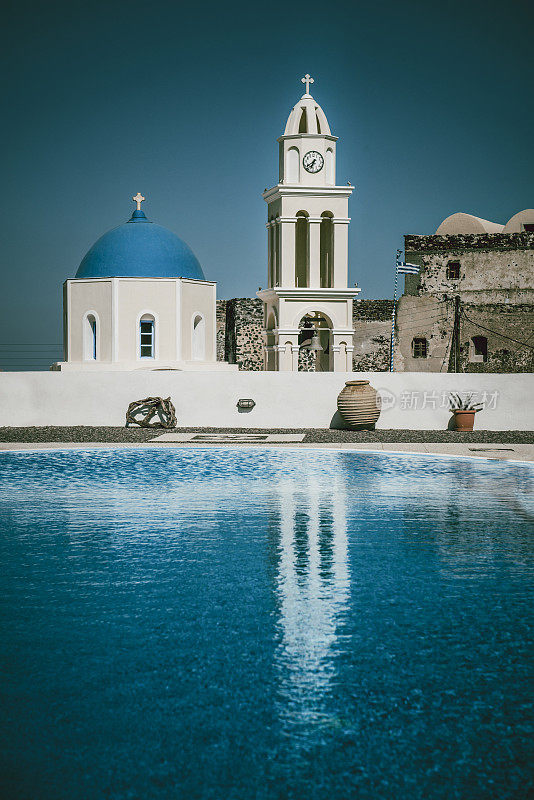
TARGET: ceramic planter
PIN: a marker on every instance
(463, 419)
(358, 406)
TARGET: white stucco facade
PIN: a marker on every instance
(307, 232)
(103, 316)
(412, 400)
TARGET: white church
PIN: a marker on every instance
(140, 301)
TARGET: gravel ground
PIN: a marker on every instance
(109, 434)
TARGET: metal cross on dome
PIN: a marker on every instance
(307, 79)
(138, 199)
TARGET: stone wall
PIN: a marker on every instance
(240, 340)
(221, 328)
(371, 320)
(243, 333)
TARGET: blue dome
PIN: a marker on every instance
(140, 249)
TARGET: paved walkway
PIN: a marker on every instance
(498, 452)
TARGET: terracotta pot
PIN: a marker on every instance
(358, 406)
(463, 420)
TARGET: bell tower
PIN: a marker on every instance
(307, 230)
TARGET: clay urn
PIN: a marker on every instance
(359, 405)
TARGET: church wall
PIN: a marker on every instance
(198, 298)
(413, 401)
(89, 296)
(137, 297)
(315, 206)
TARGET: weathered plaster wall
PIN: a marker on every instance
(424, 317)
(415, 401)
(504, 355)
(495, 292)
(494, 267)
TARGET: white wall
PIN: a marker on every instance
(283, 400)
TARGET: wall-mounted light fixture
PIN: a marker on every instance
(245, 404)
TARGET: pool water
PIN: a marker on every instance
(263, 624)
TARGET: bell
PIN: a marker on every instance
(315, 344)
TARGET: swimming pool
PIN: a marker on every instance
(264, 623)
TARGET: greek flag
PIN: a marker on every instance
(407, 269)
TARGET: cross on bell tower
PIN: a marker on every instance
(307, 79)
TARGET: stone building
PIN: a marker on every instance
(474, 284)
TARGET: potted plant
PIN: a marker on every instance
(464, 411)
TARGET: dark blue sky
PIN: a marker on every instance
(432, 103)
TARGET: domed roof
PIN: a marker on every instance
(140, 249)
(517, 223)
(467, 223)
(307, 116)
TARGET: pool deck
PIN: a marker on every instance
(495, 445)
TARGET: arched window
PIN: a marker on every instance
(147, 336)
(478, 349)
(89, 338)
(303, 124)
(419, 347)
(198, 338)
(327, 250)
(329, 167)
(292, 165)
(302, 249)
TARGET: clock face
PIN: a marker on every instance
(313, 161)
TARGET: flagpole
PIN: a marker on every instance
(399, 253)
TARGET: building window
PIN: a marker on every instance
(453, 270)
(528, 227)
(198, 342)
(146, 337)
(419, 348)
(89, 338)
(478, 349)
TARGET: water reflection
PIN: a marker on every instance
(313, 589)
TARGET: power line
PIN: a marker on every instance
(502, 335)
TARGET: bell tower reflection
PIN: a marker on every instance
(313, 587)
